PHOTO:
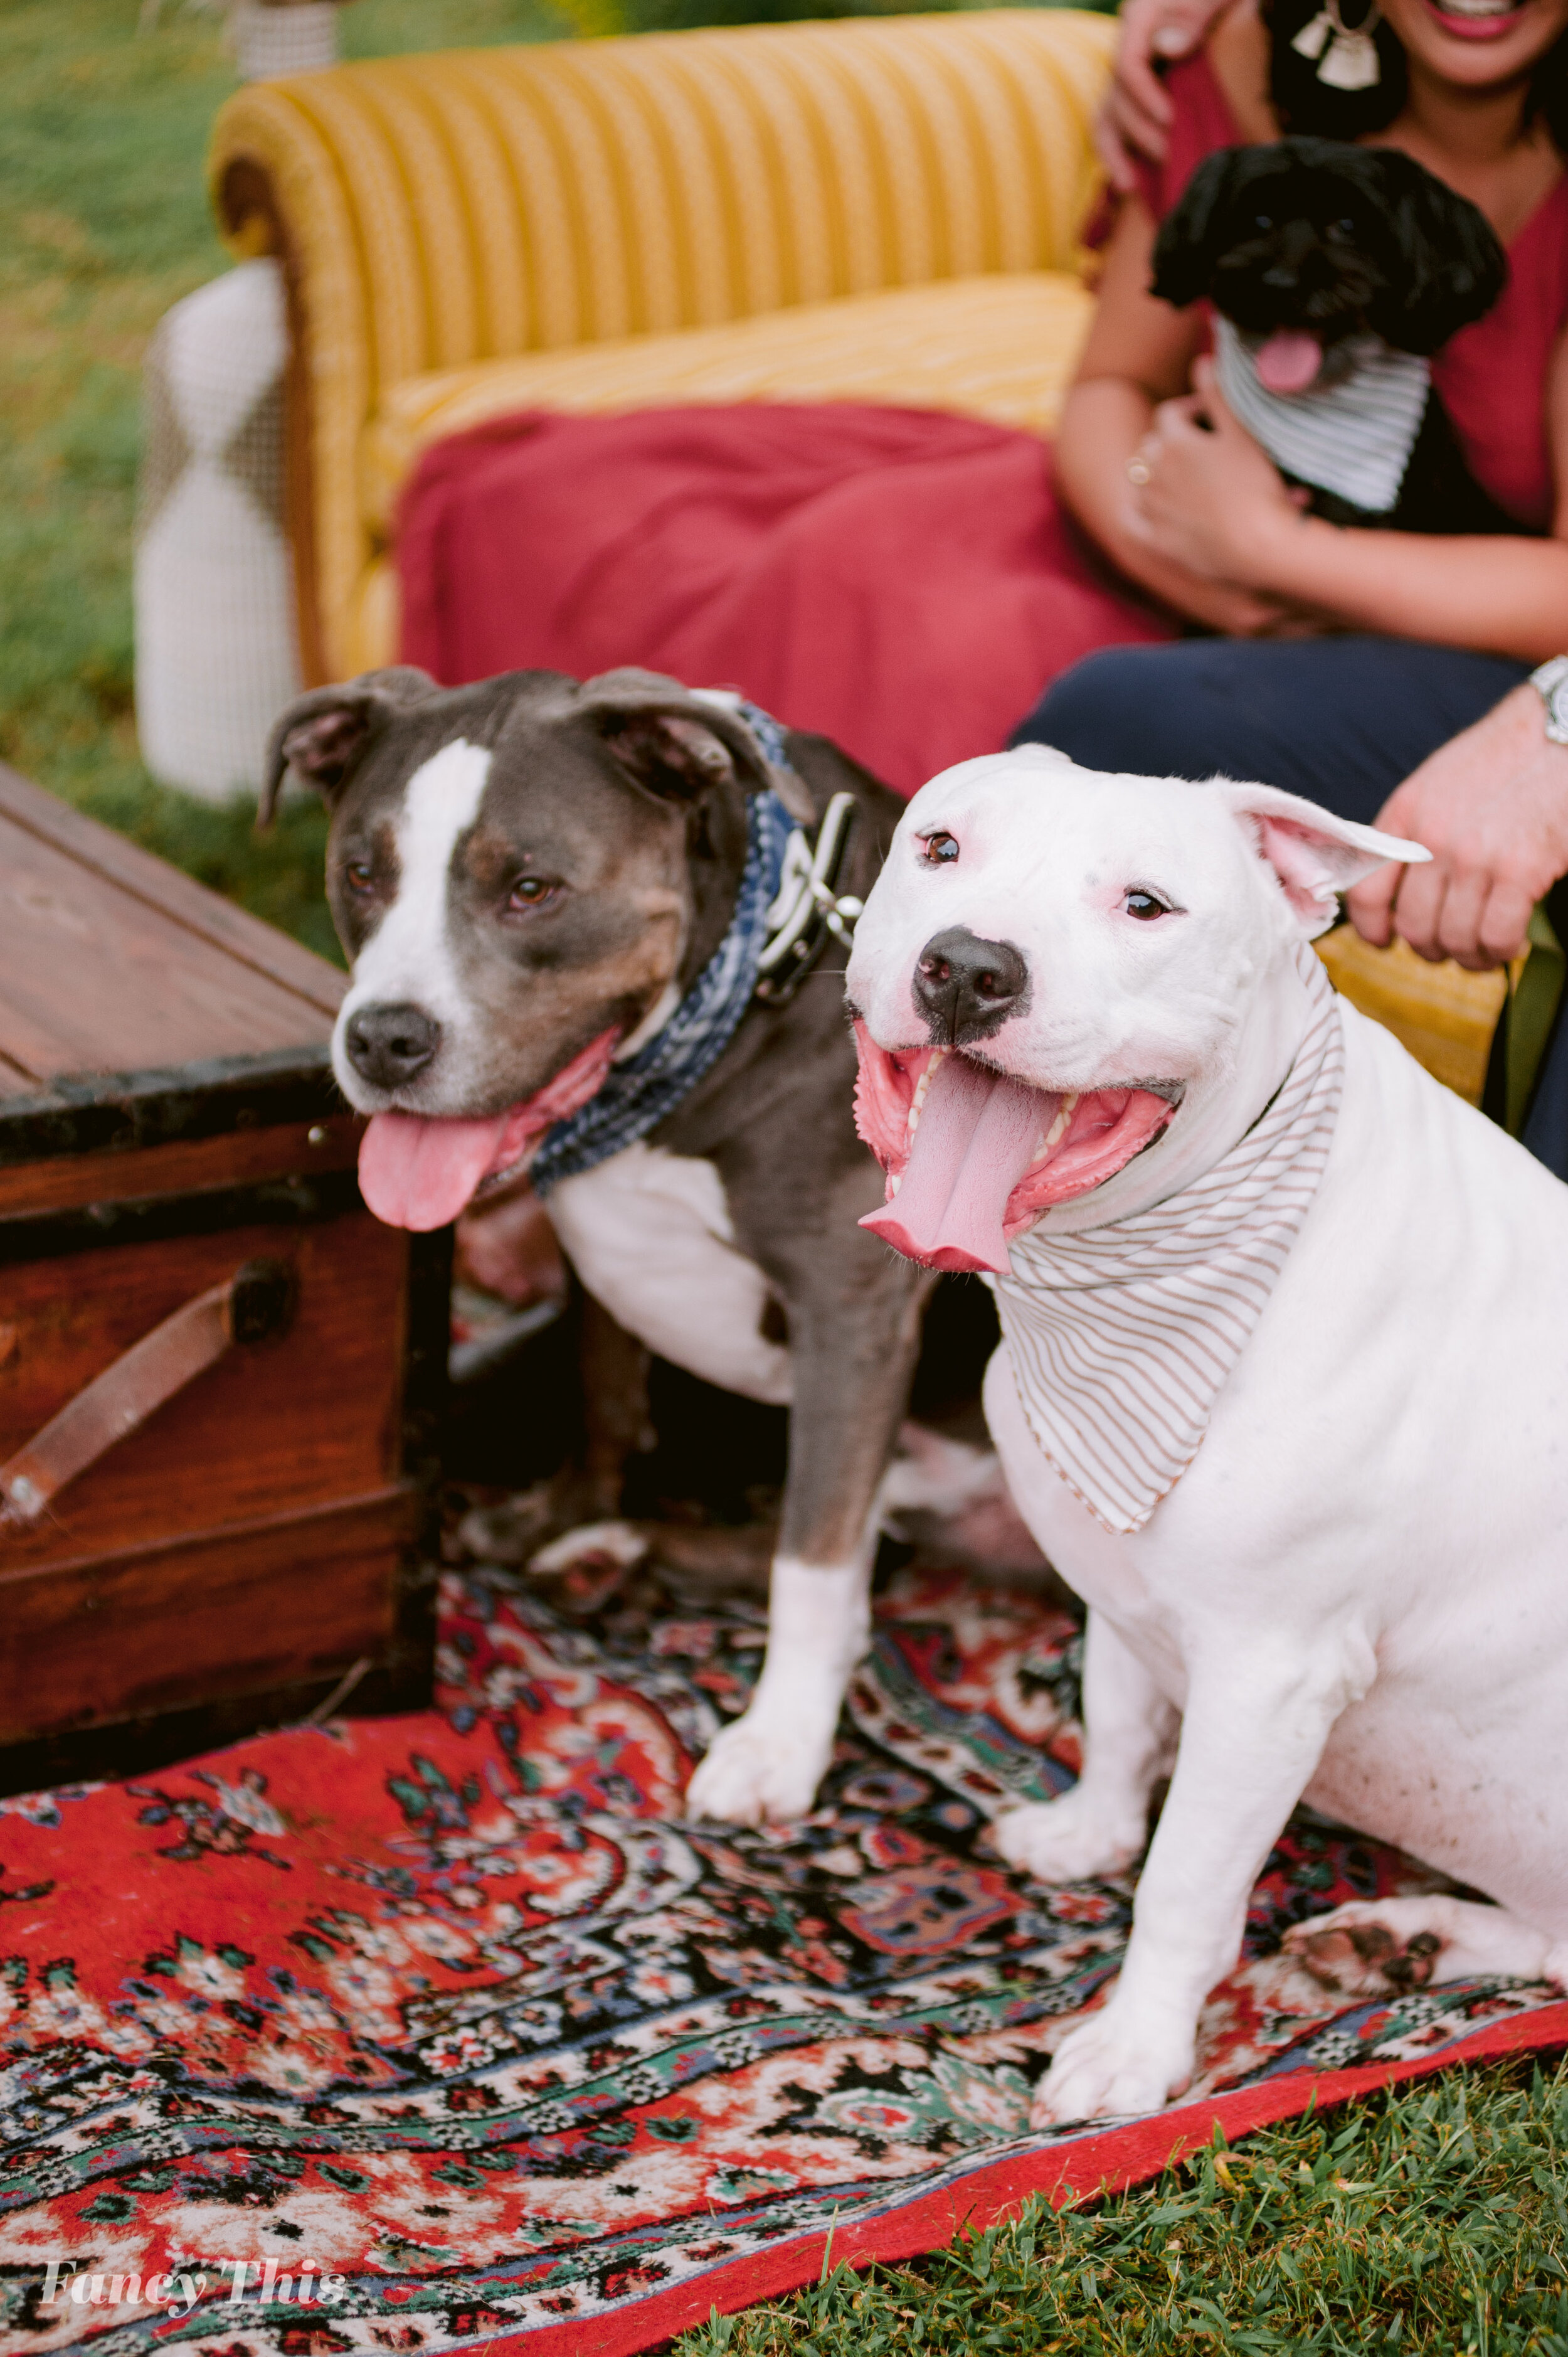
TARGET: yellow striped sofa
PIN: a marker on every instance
(875, 208)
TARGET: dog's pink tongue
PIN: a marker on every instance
(1289, 361)
(977, 1136)
(420, 1174)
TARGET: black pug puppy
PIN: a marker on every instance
(1312, 248)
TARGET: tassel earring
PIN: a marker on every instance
(1349, 54)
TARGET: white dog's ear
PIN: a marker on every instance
(1313, 854)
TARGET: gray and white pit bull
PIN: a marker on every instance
(527, 875)
(1080, 996)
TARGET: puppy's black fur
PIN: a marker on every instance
(1338, 239)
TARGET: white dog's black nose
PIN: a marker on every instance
(966, 988)
(387, 1045)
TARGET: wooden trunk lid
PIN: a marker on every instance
(128, 993)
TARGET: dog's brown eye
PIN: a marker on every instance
(1264, 220)
(937, 848)
(531, 892)
(361, 877)
(1145, 906)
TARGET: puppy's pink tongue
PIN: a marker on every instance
(420, 1174)
(977, 1135)
(1289, 361)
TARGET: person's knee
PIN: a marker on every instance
(1087, 712)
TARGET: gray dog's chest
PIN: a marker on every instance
(650, 1234)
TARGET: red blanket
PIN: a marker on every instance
(450, 2033)
(902, 581)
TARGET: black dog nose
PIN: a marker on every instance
(387, 1045)
(965, 988)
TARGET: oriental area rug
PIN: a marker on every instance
(447, 2031)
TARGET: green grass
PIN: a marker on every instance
(1433, 2217)
(104, 224)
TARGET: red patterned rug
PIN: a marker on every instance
(426, 2033)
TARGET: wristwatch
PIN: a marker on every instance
(1551, 684)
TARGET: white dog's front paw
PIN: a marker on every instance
(1068, 1840)
(1111, 2067)
(760, 1770)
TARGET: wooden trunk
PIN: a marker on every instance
(258, 1543)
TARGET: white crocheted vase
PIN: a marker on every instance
(215, 657)
(284, 41)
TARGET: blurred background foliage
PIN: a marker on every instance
(104, 224)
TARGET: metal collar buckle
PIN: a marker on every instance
(807, 906)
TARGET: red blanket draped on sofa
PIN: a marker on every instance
(900, 580)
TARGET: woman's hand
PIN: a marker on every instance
(1135, 117)
(1206, 497)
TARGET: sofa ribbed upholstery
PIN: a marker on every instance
(446, 213)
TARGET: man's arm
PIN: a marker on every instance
(1491, 806)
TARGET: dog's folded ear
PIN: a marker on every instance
(676, 743)
(1184, 256)
(1452, 267)
(1311, 856)
(322, 734)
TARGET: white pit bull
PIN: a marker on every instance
(1283, 1384)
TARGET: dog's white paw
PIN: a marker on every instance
(760, 1770)
(1113, 2066)
(1068, 1840)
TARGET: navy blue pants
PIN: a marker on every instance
(1342, 720)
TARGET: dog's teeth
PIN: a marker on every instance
(894, 1184)
(1057, 1129)
(913, 1121)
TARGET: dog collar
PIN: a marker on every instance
(785, 909)
(807, 907)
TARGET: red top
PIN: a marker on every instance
(1492, 376)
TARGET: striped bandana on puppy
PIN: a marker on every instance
(1120, 1337)
(1352, 434)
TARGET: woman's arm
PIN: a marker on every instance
(1214, 504)
(1138, 355)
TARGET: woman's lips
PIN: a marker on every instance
(1473, 24)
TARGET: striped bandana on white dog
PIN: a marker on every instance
(1120, 1337)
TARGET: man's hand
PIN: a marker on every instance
(1491, 806)
(1136, 114)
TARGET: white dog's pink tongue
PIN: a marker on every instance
(1289, 361)
(420, 1174)
(977, 1135)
